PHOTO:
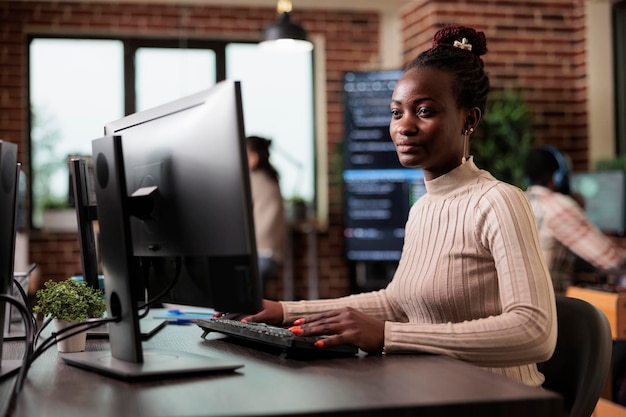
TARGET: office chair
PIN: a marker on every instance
(579, 367)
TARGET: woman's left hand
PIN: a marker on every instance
(346, 326)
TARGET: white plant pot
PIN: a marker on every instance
(60, 220)
(75, 343)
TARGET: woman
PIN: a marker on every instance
(471, 282)
(268, 208)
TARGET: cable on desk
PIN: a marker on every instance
(61, 334)
(33, 334)
(43, 326)
(146, 267)
(25, 298)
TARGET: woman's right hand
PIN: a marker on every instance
(271, 313)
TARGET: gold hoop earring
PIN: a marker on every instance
(466, 135)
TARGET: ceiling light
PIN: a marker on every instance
(285, 35)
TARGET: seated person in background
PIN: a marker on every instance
(563, 227)
(461, 287)
(268, 208)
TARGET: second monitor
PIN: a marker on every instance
(605, 198)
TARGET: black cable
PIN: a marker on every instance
(18, 285)
(60, 335)
(29, 333)
(179, 268)
(43, 326)
(32, 333)
(25, 298)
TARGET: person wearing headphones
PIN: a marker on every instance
(564, 229)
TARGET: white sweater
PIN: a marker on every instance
(472, 282)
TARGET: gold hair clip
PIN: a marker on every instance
(464, 44)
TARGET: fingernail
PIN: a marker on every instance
(319, 343)
(298, 322)
(296, 330)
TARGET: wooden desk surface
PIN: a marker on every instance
(268, 385)
(612, 304)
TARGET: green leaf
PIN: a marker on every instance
(69, 300)
(504, 136)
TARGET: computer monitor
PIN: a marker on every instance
(83, 199)
(86, 214)
(9, 177)
(378, 191)
(605, 198)
(173, 188)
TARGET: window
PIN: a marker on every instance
(281, 85)
(76, 86)
(165, 74)
(79, 85)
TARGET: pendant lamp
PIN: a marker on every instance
(284, 34)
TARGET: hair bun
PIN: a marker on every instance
(451, 34)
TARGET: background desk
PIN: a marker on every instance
(386, 385)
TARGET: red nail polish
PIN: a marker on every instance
(298, 322)
(319, 343)
(296, 330)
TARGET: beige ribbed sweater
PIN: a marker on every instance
(472, 282)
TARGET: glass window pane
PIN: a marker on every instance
(76, 87)
(277, 93)
(167, 74)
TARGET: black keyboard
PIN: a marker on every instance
(272, 337)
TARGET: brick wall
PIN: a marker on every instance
(535, 45)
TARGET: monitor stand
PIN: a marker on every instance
(14, 332)
(148, 327)
(9, 331)
(9, 367)
(156, 364)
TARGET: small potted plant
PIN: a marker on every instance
(68, 302)
(296, 209)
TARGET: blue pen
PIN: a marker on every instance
(180, 321)
(183, 313)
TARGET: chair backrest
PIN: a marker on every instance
(579, 367)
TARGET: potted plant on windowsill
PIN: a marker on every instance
(58, 216)
(68, 302)
(296, 209)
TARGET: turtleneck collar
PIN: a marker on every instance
(460, 176)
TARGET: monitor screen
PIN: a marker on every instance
(378, 190)
(83, 199)
(603, 192)
(175, 216)
(9, 177)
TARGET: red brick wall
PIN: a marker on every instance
(535, 45)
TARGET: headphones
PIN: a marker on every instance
(560, 178)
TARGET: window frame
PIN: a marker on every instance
(619, 54)
(130, 45)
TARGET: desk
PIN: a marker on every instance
(268, 385)
(612, 304)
